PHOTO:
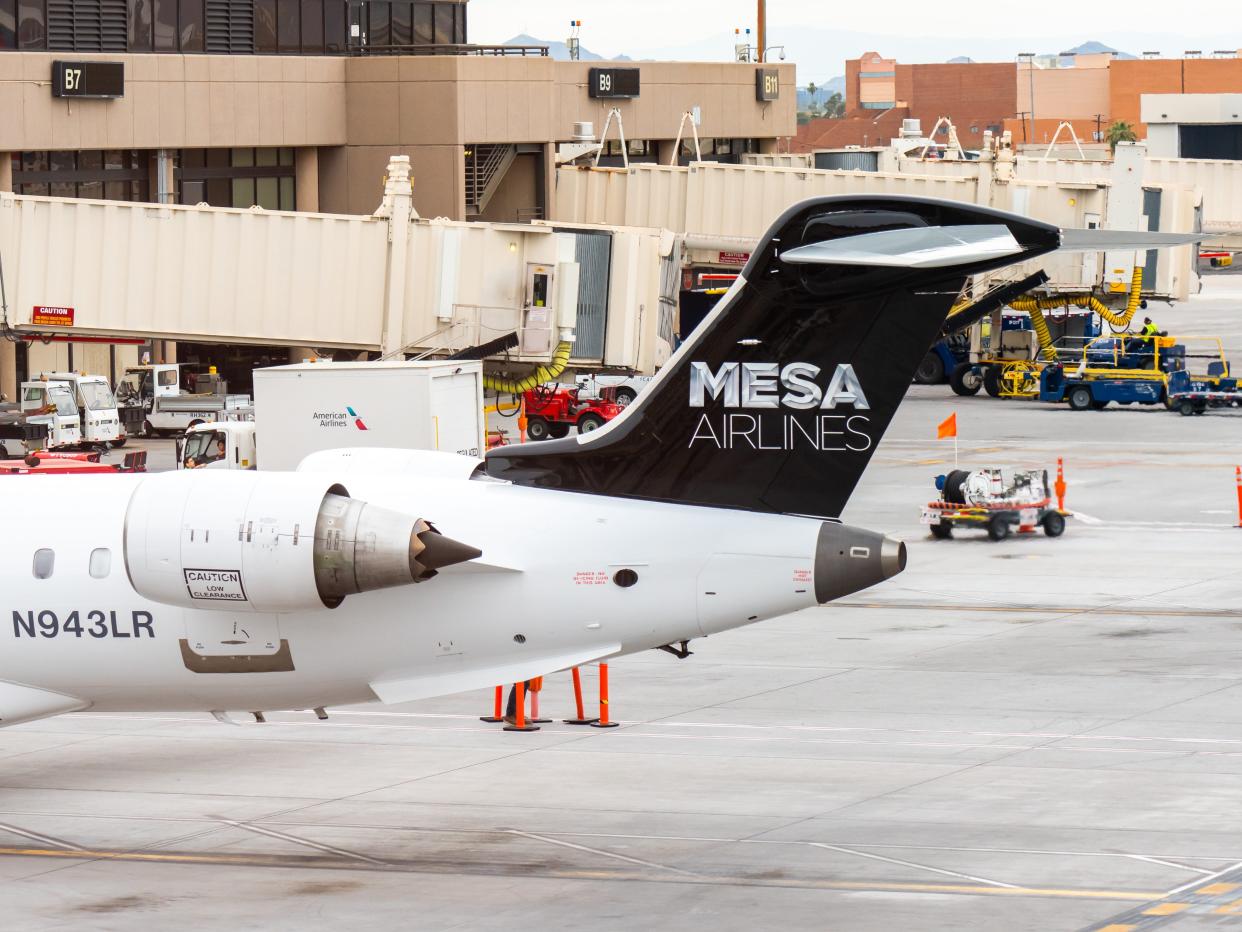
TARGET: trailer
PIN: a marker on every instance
(988, 500)
(1189, 396)
(31, 434)
(52, 464)
(311, 407)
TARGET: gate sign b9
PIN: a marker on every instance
(613, 82)
(92, 79)
(767, 84)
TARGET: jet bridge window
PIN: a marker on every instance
(101, 562)
(44, 563)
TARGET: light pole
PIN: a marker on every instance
(1030, 69)
(762, 37)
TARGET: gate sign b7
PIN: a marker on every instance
(102, 80)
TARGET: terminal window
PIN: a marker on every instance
(112, 174)
(290, 27)
(237, 178)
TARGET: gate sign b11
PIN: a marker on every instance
(767, 84)
(93, 79)
(613, 82)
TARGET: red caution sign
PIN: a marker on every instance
(52, 316)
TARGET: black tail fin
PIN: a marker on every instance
(777, 401)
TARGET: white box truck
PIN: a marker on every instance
(309, 407)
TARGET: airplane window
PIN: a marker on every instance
(44, 561)
(101, 562)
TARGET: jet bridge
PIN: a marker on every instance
(390, 283)
(721, 210)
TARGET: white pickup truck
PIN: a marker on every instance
(166, 409)
(627, 387)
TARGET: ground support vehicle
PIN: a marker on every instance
(943, 359)
(983, 500)
(155, 391)
(101, 422)
(1124, 369)
(1131, 369)
(1188, 395)
(54, 464)
(31, 434)
(626, 387)
(49, 403)
(552, 409)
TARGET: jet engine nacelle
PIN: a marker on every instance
(278, 542)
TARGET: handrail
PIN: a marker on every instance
(448, 48)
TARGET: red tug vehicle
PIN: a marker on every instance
(552, 409)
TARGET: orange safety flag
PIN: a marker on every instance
(948, 427)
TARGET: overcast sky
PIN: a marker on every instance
(820, 35)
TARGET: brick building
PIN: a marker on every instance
(1089, 91)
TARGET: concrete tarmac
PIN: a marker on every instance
(1034, 734)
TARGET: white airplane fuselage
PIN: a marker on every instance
(541, 597)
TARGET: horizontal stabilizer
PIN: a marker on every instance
(448, 681)
(1091, 240)
(913, 248)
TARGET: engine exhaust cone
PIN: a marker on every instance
(361, 548)
(848, 559)
(440, 551)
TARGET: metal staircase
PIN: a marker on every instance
(486, 166)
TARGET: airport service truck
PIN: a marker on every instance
(45, 402)
(309, 407)
(155, 391)
(100, 418)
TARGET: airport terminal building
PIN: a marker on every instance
(299, 105)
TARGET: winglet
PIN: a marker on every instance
(913, 248)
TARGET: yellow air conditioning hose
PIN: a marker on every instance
(560, 359)
(1036, 306)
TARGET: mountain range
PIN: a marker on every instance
(560, 51)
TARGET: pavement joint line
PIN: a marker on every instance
(997, 608)
(261, 860)
(552, 836)
(631, 732)
(925, 867)
(42, 839)
(329, 849)
(597, 851)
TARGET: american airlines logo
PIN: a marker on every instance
(757, 391)
(769, 385)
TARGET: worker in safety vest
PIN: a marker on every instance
(1149, 329)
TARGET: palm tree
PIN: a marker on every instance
(812, 89)
(1119, 131)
